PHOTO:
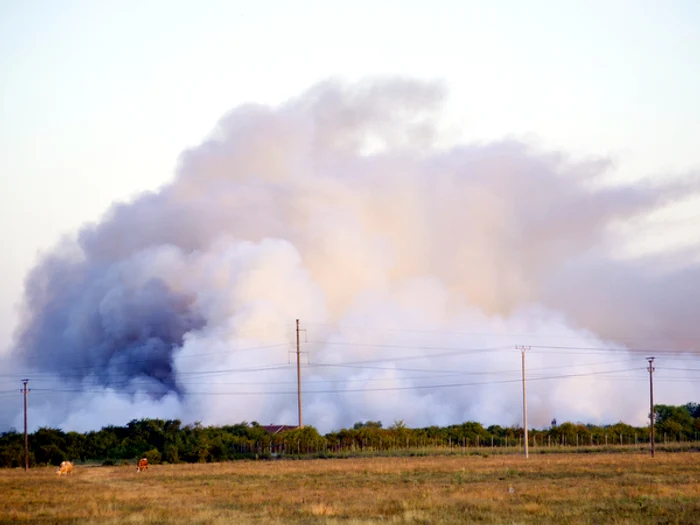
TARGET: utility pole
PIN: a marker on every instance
(652, 416)
(26, 437)
(301, 424)
(525, 434)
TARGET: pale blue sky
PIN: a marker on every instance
(97, 99)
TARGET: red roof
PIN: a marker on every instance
(276, 429)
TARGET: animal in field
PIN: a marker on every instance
(65, 468)
(143, 465)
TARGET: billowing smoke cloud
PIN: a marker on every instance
(415, 271)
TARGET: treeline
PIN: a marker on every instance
(169, 441)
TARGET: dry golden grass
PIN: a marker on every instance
(577, 488)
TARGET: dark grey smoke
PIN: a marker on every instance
(92, 320)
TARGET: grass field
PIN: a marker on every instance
(561, 488)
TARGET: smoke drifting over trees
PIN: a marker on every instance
(414, 268)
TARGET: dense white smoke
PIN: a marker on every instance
(415, 271)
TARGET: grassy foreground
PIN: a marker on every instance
(562, 488)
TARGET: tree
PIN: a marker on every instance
(48, 446)
(302, 439)
(694, 409)
(399, 432)
(12, 449)
(674, 420)
(367, 424)
(171, 454)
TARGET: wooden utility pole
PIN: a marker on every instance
(26, 437)
(652, 416)
(525, 436)
(301, 423)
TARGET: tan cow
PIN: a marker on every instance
(65, 468)
(143, 465)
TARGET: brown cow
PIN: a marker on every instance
(65, 468)
(143, 465)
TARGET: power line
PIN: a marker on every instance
(352, 390)
(612, 349)
(561, 350)
(134, 379)
(147, 359)
(516, 335)
(182, 377)
(458, 350)
(201, 372)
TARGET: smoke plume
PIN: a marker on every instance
(415, 269)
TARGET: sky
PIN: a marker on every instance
(99, 101)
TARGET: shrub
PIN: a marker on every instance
(172, 454)
(153, 456)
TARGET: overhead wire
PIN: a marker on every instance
(352, 390)
(135, 381)
(189, 378)
(126, 362)
(567, 335)
(126, 378)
